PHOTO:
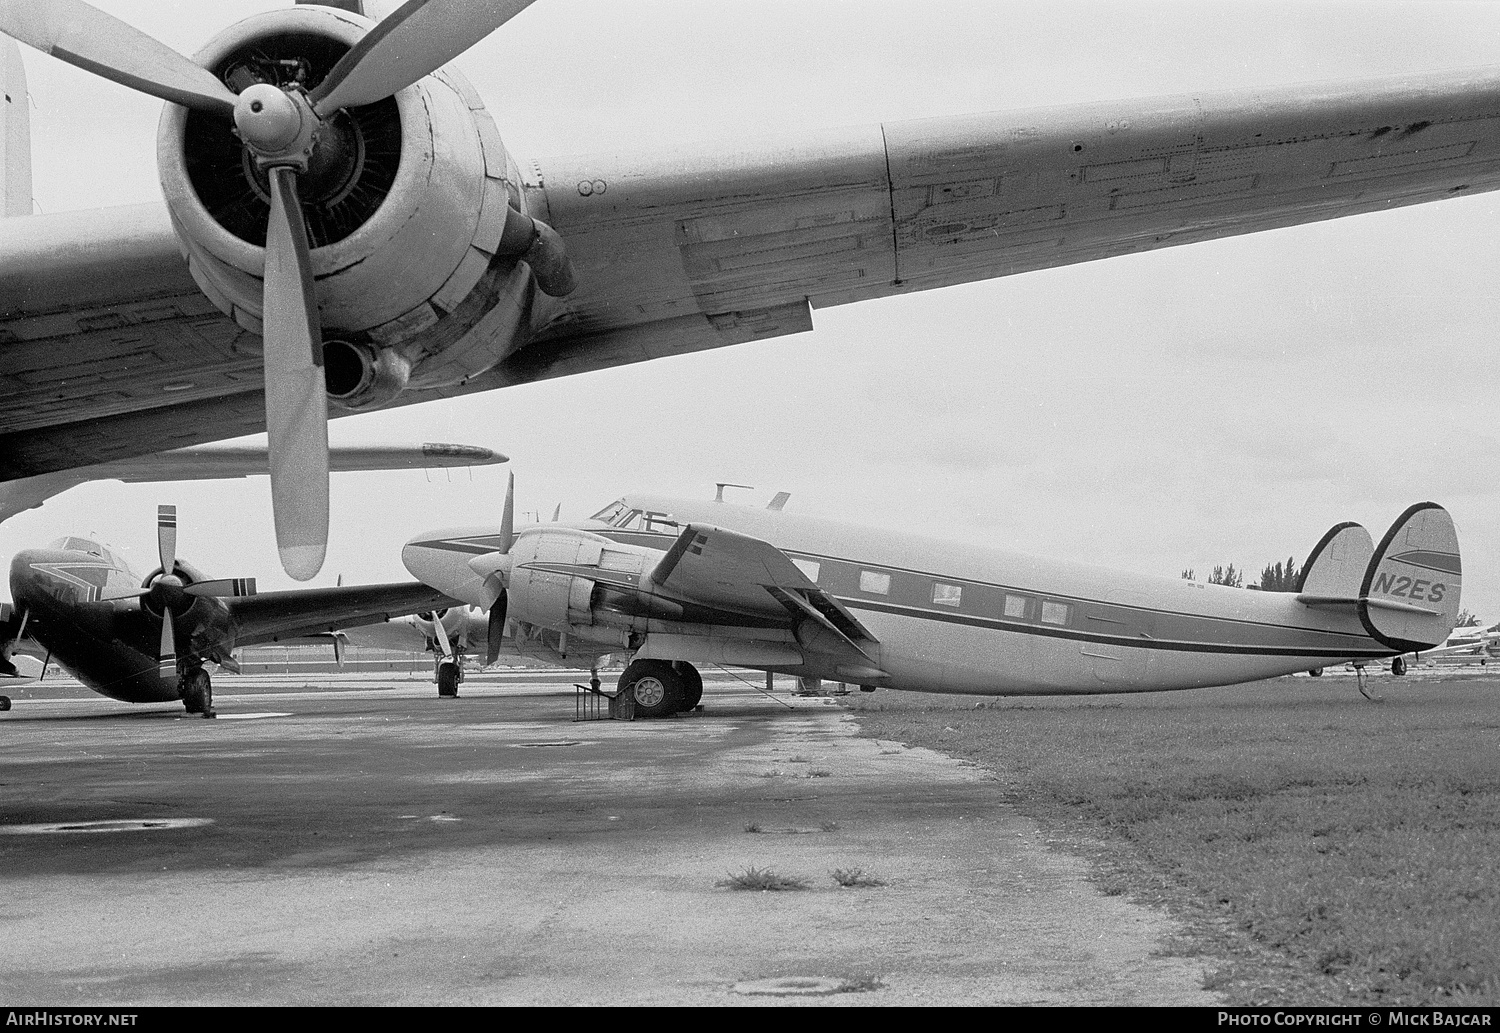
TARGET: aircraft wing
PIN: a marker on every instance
(227, 460)
(271, 616)
(721, 570)
(109, 349)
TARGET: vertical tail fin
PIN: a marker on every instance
(1409, 599)
(1334, 568)
(15, 133)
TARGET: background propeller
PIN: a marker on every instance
(174, 597)
(279, 127)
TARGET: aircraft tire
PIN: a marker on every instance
(657, 689)
(198, 693)
(4, 703)
(1316, 672)
(1398, 666)
(448, 677)
(692, 684)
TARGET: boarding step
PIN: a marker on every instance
(586, 707)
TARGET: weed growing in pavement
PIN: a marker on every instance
(855, 878)
(761, 879)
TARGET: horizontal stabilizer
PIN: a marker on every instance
(1332, 572)
(1409, 597)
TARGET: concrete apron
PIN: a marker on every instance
(412, 852)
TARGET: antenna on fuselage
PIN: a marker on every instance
(721, 485)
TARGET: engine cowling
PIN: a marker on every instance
(415, 212)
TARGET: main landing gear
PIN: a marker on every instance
(662, 688)
(197, 691)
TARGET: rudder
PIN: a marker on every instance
(1409, 598)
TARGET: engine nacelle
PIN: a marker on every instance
(413, 208)
(551, 582)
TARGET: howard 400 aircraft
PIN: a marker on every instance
(147, 640)
(343, 227)
(678, 584)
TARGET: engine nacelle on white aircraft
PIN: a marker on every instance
(551, 579)
(414, 210)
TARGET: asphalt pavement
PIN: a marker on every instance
(353, 839)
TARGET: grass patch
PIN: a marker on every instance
(763, 879)
(852, 878)
(1324, 850)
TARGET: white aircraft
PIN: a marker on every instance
(678, 583)
(1474, 640)
(343, 226)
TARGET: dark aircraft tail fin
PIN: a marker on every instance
(1409, 598)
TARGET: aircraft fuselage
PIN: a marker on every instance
(85, 610)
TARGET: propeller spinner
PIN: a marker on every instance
(280, 128)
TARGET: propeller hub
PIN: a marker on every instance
(273, 123)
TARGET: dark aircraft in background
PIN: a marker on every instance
(146, 640)
(344, 228)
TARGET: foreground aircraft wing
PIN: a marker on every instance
(272, 616)
(109, 348)
(222, 461)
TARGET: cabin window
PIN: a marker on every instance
(874, 582)
(808, 567)
(1054, 613)
(947, 595)
(1015, 606)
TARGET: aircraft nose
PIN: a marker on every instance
(21, 574)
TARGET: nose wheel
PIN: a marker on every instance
(448, 676)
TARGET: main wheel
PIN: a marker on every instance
(4, 703)
(1398, 665)
(198, 692)
(655, 686)
(1316, 672)
(692, 684)
(448, 677)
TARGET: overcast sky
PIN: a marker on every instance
(1222, 402)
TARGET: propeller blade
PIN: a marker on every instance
(229, 587)
(296, 392)
(416, 39)
(495, 633)
(441, 634)
(83, 35)
(166, 656)
(508, 517)
(166, 537)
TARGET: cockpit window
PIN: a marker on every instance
(630, 521)
(609, 513)
(79, 545)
